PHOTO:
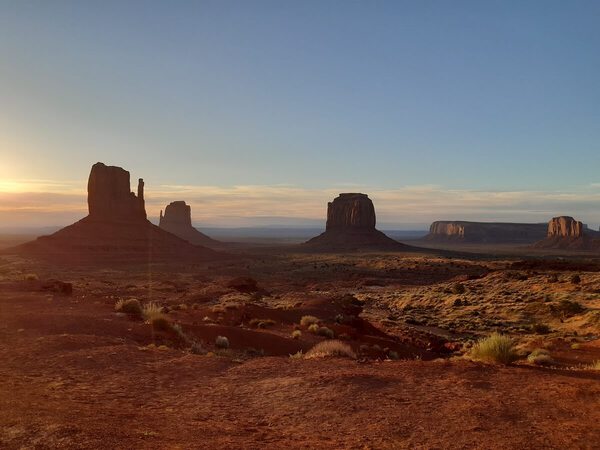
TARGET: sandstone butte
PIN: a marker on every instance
(177, 220)
(115, 229)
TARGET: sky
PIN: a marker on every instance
(259, 112)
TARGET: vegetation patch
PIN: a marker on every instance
(495, 348)
(221, 342)
(326, 332)
(332, 348)
(307, 321)
(131, 306)
(261, 323)
(566, 308)
(540, 357)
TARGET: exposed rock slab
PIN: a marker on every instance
(177, 220)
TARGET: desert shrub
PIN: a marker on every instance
(31, 277)
(197, 349)
(494, 348)
(152, 310)
(131, 306)
(553, 278)
(594, 366)
(566, 308)
(576, 346)
(314, 328)
(307, 321)
(458, 288)
(326, 332)
(160, 323)
(540, 357)
(261, 323)
(221, 342)
(540, 328)
(331, 348)
(575, 279)
(393, 355)
(296, 334)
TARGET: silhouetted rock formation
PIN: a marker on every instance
(565, 232)
(178, 220)
(351, 226)
(351, 212)
(486, 232)
(110, 198)
(115, 230)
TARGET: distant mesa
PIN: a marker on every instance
(178, 221)
(116, 228)
(486, 232)
(564, 232)
(351, 225)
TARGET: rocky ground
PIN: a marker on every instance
(76, 373)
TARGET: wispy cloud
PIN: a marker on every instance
(59, 203)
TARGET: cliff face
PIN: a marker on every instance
(566, 233)
(178, 221)
(351, 226)
(351, 212)
(110, 198)
(565, 227)
(486, 232)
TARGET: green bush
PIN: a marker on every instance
(575, 279)
(495, 348)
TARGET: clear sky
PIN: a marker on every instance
(258, 112)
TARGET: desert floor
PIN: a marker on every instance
(75, 373)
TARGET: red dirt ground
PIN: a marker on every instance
(76, 375)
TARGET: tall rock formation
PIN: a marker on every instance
(564, 227)
(351, 226)
(178, 220)
(351, 212)
(564, 232)
(486, 232)
(110, 198)
(115, 230)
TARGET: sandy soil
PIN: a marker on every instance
(77, 374)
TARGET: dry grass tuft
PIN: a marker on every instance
(594, 366)
(151, 311)
(333, 348)
(307, 321)
(296, 334)
(495, 348)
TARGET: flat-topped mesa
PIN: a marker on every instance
(351, 212)
(176, 213)
(178, 221)
(565, 227)
(110, 198)
(485, 232)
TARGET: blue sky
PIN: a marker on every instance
(460, 99)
